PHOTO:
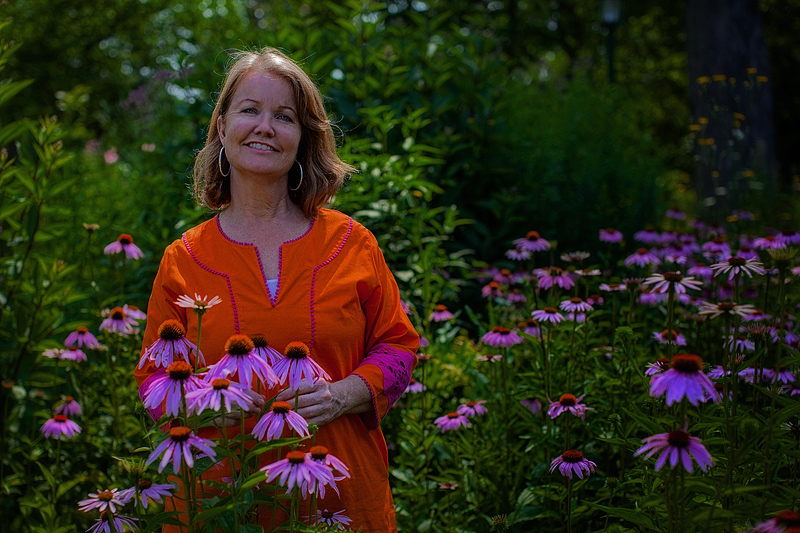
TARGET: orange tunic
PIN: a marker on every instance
(336, 294)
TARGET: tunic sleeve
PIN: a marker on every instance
(391, 341)
(166, 289)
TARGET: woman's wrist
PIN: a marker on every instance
(352, 395)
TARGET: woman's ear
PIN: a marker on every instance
(221, 130)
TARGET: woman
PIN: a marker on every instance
(287, 268)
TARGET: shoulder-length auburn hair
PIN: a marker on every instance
(323, 171)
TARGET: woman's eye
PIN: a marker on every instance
(249, 110)
(285, 118)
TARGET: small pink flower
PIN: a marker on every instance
(81, 337)
(500, 336)
(60, 427)
(472, 409)
(279, 415)
(610, 235)
(548, 314)
(641, 258)
(533, 405)
(575, 305)
(532, 243)
(124, 243)
(118, 322)
(572, 462)
(568, 403)
(676, 447)
(105, 500)
(441, 314)
(69, 407)
(451, 422)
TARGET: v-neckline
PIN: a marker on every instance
(273, 299)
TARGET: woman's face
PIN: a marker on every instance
(261, 130)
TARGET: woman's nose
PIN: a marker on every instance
(265, 127)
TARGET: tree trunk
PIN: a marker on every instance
(731, 102)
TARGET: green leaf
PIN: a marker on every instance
(631, 515)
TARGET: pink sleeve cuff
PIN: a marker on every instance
(396, 366)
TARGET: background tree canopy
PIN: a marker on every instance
(504, 107)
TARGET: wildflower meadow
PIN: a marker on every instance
(643, 379)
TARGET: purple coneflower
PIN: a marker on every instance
(782, 375)
(170, 345)
(516, 297)
(124, 243)
(451, 422)
(667, 337)
(53, 353)
(788, 236)
(662, 283)
(533, 405)
(518, 254)
(770, 242)
(151, 492)
(105, 500)
(168, 386)
(757, 315)
(500, 336)
(472, 409)
(297, 469)
(612, 287)
(717, 246)
(490, 358)
(117, 322)
(414, 386)
(747, 253)
(492, 289)
(740, 343)
(548, 314)
(572, 462)
(531, 327)
(262, 349)
(676, 214)
(320, 455)
(610, 235)
(329, 518)
(504, 276)
(69, 407)
(641, 258)
(441, 314)
(568, 403)
(575, 305)
(532, 243)
(211, 396)
(685, 377)
(277, 417)
(552, 276)
(784, 522)
(701, 270)
(131, 311)
(297, 364)
(239, 360)
(659, 367)
(448, 485)
(73, 353)
(179, 443)
(200, 303)
(575, 257)
(81, 337)
(677, 446)
(736, 265)
(121, 522)
(60, 427)
(648, 236)
(725, 308)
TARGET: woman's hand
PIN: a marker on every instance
(235, 419)
(323, 402)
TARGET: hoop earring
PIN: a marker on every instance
(301, 178)
(219, 162)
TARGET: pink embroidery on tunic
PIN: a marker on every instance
(314, 280)
(396, 366)
(227, 279)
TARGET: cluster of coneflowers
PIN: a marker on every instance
(184, 389)
(698, 276)
(121, 321)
